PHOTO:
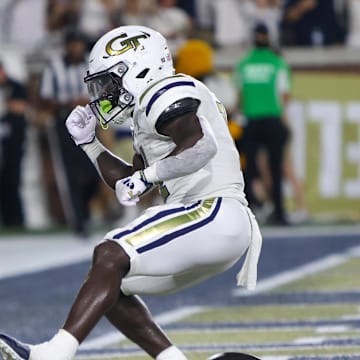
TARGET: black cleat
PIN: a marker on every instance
(232, 356)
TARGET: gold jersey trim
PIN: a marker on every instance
(156, 231)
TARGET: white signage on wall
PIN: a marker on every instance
(334, 150)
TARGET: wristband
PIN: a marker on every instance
(150, 174)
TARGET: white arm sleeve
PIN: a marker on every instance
(186, 162)
(93, 151)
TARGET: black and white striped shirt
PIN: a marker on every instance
(63, 81)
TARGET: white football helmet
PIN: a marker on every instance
(122, 63)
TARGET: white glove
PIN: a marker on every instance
(81, 124)
(129, 189)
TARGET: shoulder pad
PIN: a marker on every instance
(164, 93)
(177, 108)
(155, 86)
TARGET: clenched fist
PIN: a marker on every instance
(81, 124)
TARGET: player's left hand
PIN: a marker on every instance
(129, 189)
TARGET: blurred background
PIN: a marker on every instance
(46, 183)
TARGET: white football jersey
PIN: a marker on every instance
(222, 175)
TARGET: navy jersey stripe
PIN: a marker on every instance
(156, 217)
(167, 238)
(164, 89)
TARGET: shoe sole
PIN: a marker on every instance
(7, 352)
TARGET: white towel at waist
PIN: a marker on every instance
(247, 276)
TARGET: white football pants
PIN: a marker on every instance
(175, 245)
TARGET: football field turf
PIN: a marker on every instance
(322, 323)
(306, 306)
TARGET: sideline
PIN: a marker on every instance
(20, 255)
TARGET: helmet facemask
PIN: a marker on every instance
(109, 100)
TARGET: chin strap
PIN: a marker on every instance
(104, 125)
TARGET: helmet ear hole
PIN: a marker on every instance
(142, 74)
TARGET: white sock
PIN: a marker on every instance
(62, 346)
(171, 353)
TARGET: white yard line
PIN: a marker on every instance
(332, 329)
(163, 319)
(300, 272)
(310, 340)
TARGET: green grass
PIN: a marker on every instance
(273, 313)
(341, 278)
(246, 336)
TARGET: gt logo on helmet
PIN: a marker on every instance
(127, 44)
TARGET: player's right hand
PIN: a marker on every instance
(81, 124)
(129, 189)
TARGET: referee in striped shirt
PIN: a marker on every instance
(62, 88)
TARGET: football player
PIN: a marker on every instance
(182, 146)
